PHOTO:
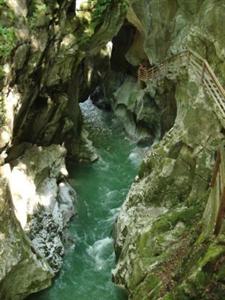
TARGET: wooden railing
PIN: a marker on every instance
(202, 70)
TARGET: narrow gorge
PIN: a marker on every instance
(112, 149)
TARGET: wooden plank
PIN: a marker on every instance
(195, 63)
(196, 55)
(215, 79)
(216, 168)
(212, 95)
(221, 173)
(221, 213)
(218, 105)
(218, 98)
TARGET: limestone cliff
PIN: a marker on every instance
(153, 31)
(53, 55)
(160, 252)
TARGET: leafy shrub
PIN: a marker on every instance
(39, 9)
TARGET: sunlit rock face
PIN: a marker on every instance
(79, 4)
(22, 270)
(36, 204)
(43, 200)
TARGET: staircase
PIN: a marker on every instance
(202, 70)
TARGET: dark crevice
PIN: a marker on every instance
(121, 44)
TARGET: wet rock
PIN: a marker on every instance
(66, 200)
(87, 152)
(45, 232)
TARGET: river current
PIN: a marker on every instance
(101, 188)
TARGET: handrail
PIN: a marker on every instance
(202, 69)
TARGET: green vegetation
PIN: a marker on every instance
(7, 32)
(7, 41)
(39, 10)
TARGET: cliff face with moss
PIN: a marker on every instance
(159, 244)
(53, 55)
(152, 32)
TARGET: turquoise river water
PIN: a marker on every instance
(101, 189)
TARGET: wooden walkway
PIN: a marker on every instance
(200, 68)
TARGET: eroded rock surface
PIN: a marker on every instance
(159, 245)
